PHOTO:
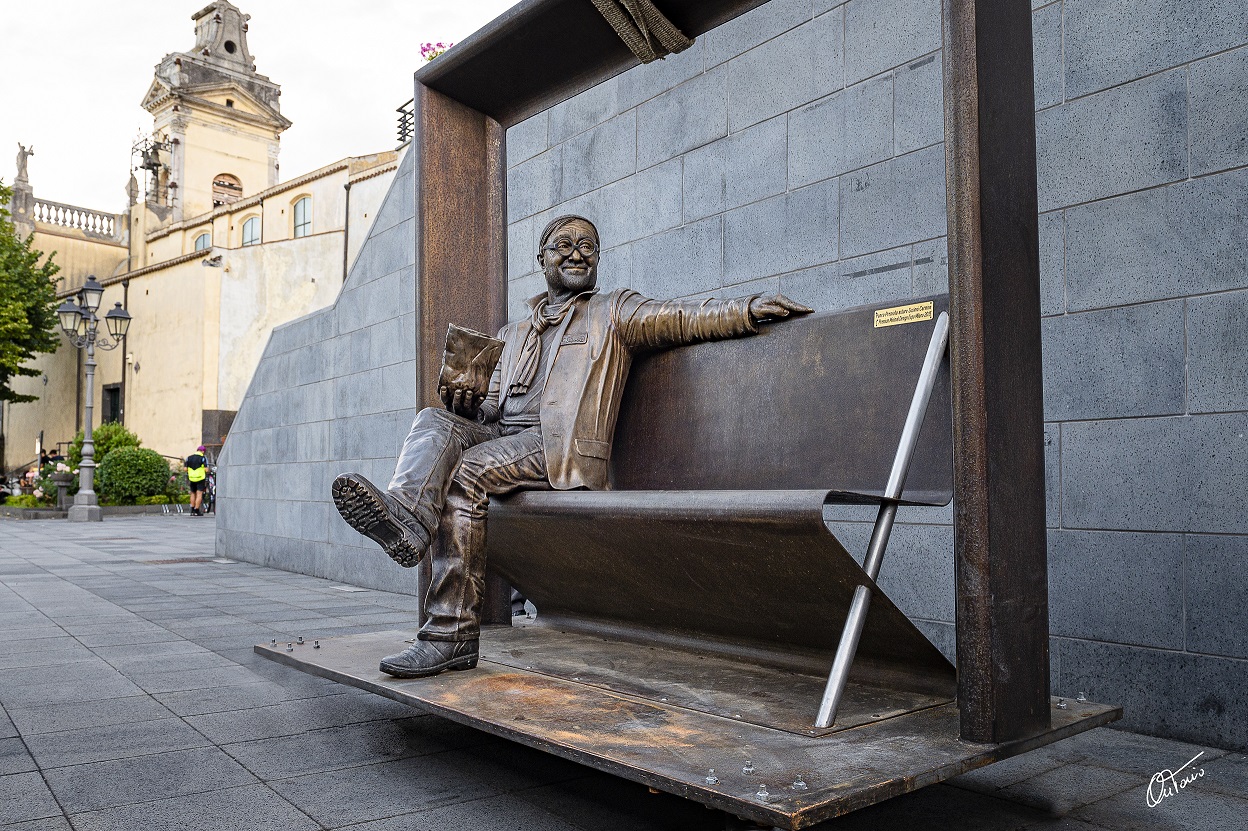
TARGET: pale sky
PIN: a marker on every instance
(74, 72)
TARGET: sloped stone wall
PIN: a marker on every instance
(333, 392)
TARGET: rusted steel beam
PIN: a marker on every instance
(461, 249)
(994, 286)
(494, 70)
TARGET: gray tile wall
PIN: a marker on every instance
(333, 392)
(799, 148)
(1142, 140)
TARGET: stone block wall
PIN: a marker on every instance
(799, 148)
(1142, 141)
(333, 392)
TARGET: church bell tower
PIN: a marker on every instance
(216, 121)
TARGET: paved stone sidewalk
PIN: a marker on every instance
(132, 700)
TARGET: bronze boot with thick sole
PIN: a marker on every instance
(379, 516)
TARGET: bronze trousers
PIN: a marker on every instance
(447, 471)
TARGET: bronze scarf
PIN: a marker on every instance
(540, 320)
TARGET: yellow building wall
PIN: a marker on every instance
(164, 389)
(213, 145)
(55, 413)
(78, 255)
(198, 332)
(262, 287)
(366, 198)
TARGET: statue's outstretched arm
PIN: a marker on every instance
(656, 324)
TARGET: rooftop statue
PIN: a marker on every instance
(23, 153)
(545, 420)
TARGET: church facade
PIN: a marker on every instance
(210, 254)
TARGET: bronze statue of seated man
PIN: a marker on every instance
(546, 421)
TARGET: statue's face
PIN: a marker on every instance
(570, 257)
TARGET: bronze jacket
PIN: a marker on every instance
(585, 381)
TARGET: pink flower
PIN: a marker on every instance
(429, 51)
(38, 493)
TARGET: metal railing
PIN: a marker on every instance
(71, 216)
(407, 121)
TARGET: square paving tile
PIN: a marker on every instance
(384, 790)
(62, 692)
(83, 673)
(58, 823)
(52, 718)
(1131, 752)
(146, 778)
(207, 678)
(14, 758)
(116, 655)
(1228, 774)
(352, 745)
(505, 812)
(114, 741)
(1191, 809)
(1063, 789)
(292, 717)
(24, 646)
(224, 699)
(46, 657)
(24, 796)
(95, 639)
(251, 808)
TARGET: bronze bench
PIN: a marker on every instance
(732, 557)
(689, 617)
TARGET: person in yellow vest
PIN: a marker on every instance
(197, 475)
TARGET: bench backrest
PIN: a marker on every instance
(813, 403)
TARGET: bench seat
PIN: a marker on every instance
(712, 537)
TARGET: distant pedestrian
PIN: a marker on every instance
(197, 476)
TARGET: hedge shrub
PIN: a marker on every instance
(107, 437)
(128, 473)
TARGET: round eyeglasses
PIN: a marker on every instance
(565, 247)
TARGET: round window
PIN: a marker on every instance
(230, 47)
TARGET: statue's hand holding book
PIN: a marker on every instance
(467, 364)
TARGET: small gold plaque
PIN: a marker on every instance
(903, 314)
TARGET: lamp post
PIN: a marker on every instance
(80, 324)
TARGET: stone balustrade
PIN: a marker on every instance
(72, 216)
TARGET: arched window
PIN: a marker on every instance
(303, 217)
(226, 189)
(203, 241)
(251, 231)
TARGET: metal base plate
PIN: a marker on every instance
(581, 698)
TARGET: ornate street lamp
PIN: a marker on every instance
(81, 326)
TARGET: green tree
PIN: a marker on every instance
(28, 323)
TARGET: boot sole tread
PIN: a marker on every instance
(364, 511)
